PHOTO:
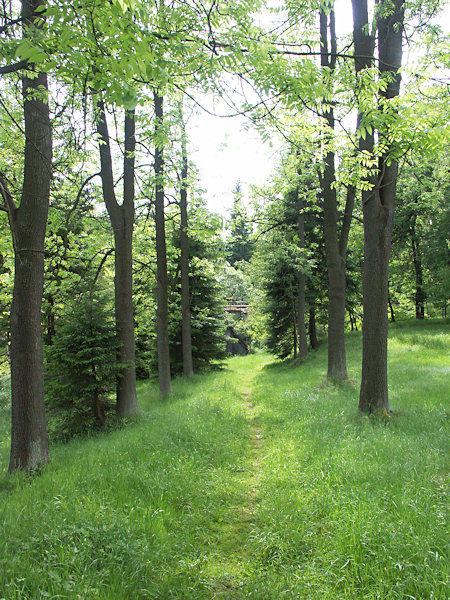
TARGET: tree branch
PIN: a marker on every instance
(18, 66)
(10, 206)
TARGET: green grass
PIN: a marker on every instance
(342, 507)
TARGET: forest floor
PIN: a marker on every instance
(257, 481)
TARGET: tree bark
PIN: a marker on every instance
(350, 317)
(162, 311)
(294, 333)
(312, 328)
(419, 296)
(335, 246)
(186, 334)
(122, 222)
(391, 309)
(302, 337)
(294, 323)
(98, 409)
(29, 441)
(51, 328)
(378, 210)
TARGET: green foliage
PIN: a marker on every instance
(255, 326)
(6, 282)
(278, 258)
(234, 283)
(420, 249)
(242, 283)
(281, 287)
(5, 392)
(81, 366)
(76, 253)
(239, 244)
(207, 320)
(144, 321)
(207, 303)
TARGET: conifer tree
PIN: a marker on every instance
(81, 364)
(239, 243)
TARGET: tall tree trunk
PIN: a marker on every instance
(186, 334)
(302, 337)
(294, 322)
(29, 442)
(126, 386)
(378, 210)
(294, 336)
(350, 316)
(312, 328)
(391, 309)
(335, 245)
(122, 222)
(162, 312)
(419, 296)
(377, 227)
(98, 410)
(51, 329)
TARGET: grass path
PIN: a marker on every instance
(256, 443)
(227, 568)
(259, 481)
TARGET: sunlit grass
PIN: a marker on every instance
(355, 508)
(346, 508)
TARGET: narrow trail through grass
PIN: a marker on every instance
(228, 569)
(259, 481)
(256, 442)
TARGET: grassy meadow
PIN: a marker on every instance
(258, 481)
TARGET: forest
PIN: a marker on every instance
(145, 461)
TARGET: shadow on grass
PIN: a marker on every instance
(287, 364)
(343, 384)
(419, 323)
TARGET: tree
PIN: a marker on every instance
(284, 258)
(29, 443)
(302, 339)
(162, 316)
(207, 305)
(207, 314)
(335, 242)
(239, 243)
(378, 197)
(122, 221)
(186, 333)
(406, 232)
(281, 285)
(419, 264)
(82, 364)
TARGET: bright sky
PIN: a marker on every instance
(225, 152)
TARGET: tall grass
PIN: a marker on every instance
(165, 507)
(355, 508)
